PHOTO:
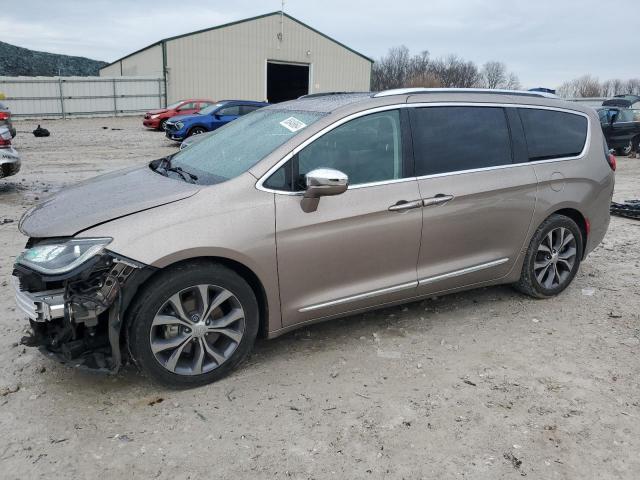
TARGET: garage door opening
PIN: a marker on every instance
(286, 81)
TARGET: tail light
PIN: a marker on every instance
(4, 143)
(4, 115)
(611, 160)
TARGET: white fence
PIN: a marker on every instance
(72, 96)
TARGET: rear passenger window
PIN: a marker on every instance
(552, 134)
(451, 139)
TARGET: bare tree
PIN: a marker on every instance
(494, 75)
(585, 86)
(392, 70)
(400, 69)
(633, 86)
(453, 72)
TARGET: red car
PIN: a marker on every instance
(157, 119)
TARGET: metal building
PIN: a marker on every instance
(272, 57)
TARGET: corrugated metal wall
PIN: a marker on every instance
(230, 62)
(147, 62)
(68, 96)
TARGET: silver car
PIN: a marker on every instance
(9, 158)
(310, 210)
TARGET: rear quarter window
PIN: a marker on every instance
(553, 134)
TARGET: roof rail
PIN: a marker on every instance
(407, 91)
(324, 94)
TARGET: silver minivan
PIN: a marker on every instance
(309, 210)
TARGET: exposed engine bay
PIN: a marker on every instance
(77, 316)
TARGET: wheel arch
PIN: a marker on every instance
(197, 125)
(244, 271)
(580, 220)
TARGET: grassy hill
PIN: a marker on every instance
(18, 61)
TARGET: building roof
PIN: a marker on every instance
(278, 12)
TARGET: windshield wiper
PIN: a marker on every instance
(165, 165)
(188, 176)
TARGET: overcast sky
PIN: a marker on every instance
(544, 42)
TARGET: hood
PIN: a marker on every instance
(156, 112)
(176, 118)
(102, 199)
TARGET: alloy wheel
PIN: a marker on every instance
(555, 258)
(197, 329)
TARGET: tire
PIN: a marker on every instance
(625, 151)
(196, 131)
(163, 124)
(181, 359)
(551, 244)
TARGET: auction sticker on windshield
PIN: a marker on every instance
(293, 124)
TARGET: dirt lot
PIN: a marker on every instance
(484, 385)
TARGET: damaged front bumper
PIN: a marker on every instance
(78, 316)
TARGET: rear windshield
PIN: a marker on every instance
(239, 145)
(552, 134)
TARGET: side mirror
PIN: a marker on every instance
(323, 182)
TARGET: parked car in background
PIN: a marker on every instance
(621, 128)
(310, 210)
(210, 118)
(5, 119)
(9, 158)
(157, 119)
(194, 139)
(623, 101)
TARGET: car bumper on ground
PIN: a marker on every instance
(9, 162)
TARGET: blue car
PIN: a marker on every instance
(209, 118)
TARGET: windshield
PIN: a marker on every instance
(210, 108)
(239, 145)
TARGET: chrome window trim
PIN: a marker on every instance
(260, 183)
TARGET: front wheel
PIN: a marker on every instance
(196, 131)
(193, 324)
(552, 259)
(163, 125)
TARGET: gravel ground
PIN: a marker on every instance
(487, 384)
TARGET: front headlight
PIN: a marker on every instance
(179, 125)
(61, 257)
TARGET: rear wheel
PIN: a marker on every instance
(196, 131)
(193, 324)
(552, 259)
(626, 150)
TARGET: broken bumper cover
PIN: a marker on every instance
(78, 316)
(41, 306)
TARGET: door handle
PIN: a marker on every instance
(439, 199)
(403, 205)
